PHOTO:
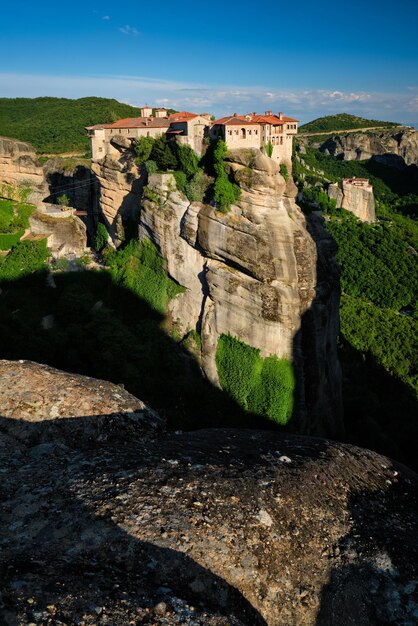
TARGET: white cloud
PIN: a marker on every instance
(106, 18)
(304, 104)
(129, 30)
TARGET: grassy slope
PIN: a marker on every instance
(54, 125)
(342, 121)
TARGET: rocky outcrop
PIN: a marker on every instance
(364, 145)
(254, 273)
(121, 185)
(20, 168)
(64, 231)
(355, 196)
(108, 524)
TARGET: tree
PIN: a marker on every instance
(163, 155)
(143, 149)
(187, 159)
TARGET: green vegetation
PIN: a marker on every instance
(225, 192)
(269, 149)
(377, 262)
(55, 125)
(378, 315)
(143, 149)
(63, 200)
(27, 257)
(14, 219)
(261, 386)
(101, 237)
(342, 121)
(161, 155)
(284, 172)
(140, 268)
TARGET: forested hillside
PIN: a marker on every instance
(342, 121)
(56, 125)
(379, 315)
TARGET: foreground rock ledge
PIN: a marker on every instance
(211, 527)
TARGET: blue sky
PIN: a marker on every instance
(307, 58)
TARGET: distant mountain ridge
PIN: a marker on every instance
(343, 121)
(56, 125)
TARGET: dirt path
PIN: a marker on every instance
(349, 130)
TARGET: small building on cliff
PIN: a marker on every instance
(268, 132)
(355, 196)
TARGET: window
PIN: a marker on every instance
(100, 149)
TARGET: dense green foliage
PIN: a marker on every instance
(342, 121)
(101, 237)
(143, 149)
(23, 259)
(14, 219)
(140, 268)
(54, 125)
(284, 172)
(263, 386)
(225, 192)
(377, 263)
(14, 216)
(390, 338)
(181, 160)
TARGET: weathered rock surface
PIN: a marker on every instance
(20, 166)
(357, 199)
(254, 273)
(65, 232)
(361, 145)
(121, 186)
(41, 394)
(210, 528)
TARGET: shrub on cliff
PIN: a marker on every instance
(143, 149)
(225, 192)
(162, 154)
(197, 187)
(101, 237)
(263, 386)
(188, 161)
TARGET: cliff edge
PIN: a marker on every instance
(212, 527)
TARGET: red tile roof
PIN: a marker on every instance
(182, 116)
(135, 122)
(255, 119)
(231, 119)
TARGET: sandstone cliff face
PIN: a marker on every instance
(360, 146)
(255, 273)
(19, 166)
(106, 522)
(121, 187)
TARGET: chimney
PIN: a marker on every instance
(268, 113)
(280, 115)
(235, 115)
